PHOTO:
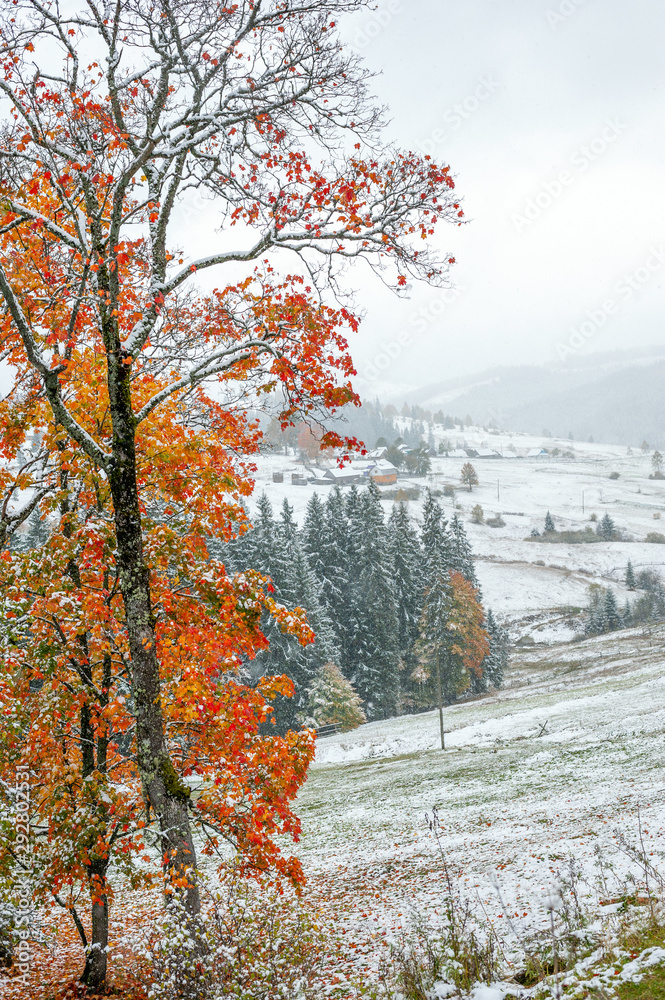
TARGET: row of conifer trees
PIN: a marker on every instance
(605, 614)
(362, 580)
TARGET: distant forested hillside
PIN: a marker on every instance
(610, 398)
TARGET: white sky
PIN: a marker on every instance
(551, 114)
(544, 87)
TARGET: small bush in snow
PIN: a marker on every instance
(332, 699)
(250, 942)
(477, 514)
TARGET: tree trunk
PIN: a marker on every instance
(165, 791)
(94, 973)
(440, 697)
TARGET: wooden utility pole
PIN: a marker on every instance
(438, 691)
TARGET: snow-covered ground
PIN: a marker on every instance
(532, 586)
(546, 770)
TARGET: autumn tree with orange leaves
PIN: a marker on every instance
(254, 122)
(453, 641)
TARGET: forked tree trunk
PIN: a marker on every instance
(166, 793)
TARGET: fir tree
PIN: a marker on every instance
(495, 663)
(313, 536)
(287, 526)
(435, 541)
(301, 589)
(612, 615)
(606, 529)
(630, 576)
(453, 641)
(435, 638)
(373, 667)
(596, 613)
(407, 577)
(262, 548)
(258, 548)
(273, 548)
(461, 558)
(331, 699)
(549, 522)
(334, 573)
(36, 533)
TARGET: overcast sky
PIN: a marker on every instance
(552, 117)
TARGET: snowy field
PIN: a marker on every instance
(546, 770)
(532, 587)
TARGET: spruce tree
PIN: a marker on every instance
(630, 576)
(373, 665)
(495, 663)
(287, 526)
(549, 522)
(596, 613)
(32, 536)
(313, 536)
(262, 548)
(461, 558)
(274, 548)
(334, 571)
(611, 612)
(606, 529)
(435, 541)
(301, 663)
(407, 578)
(435, 640)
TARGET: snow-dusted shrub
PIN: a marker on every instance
(332, 699)
(250, 942)
(477, 514)
(495, 522)
(7, 933)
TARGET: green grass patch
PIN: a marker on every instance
(652, 987)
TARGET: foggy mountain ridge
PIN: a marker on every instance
(614, 398)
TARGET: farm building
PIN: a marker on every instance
(317, 477)
(382, 472)
(342, 477)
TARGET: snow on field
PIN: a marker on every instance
(546, 770)
(519, 576)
